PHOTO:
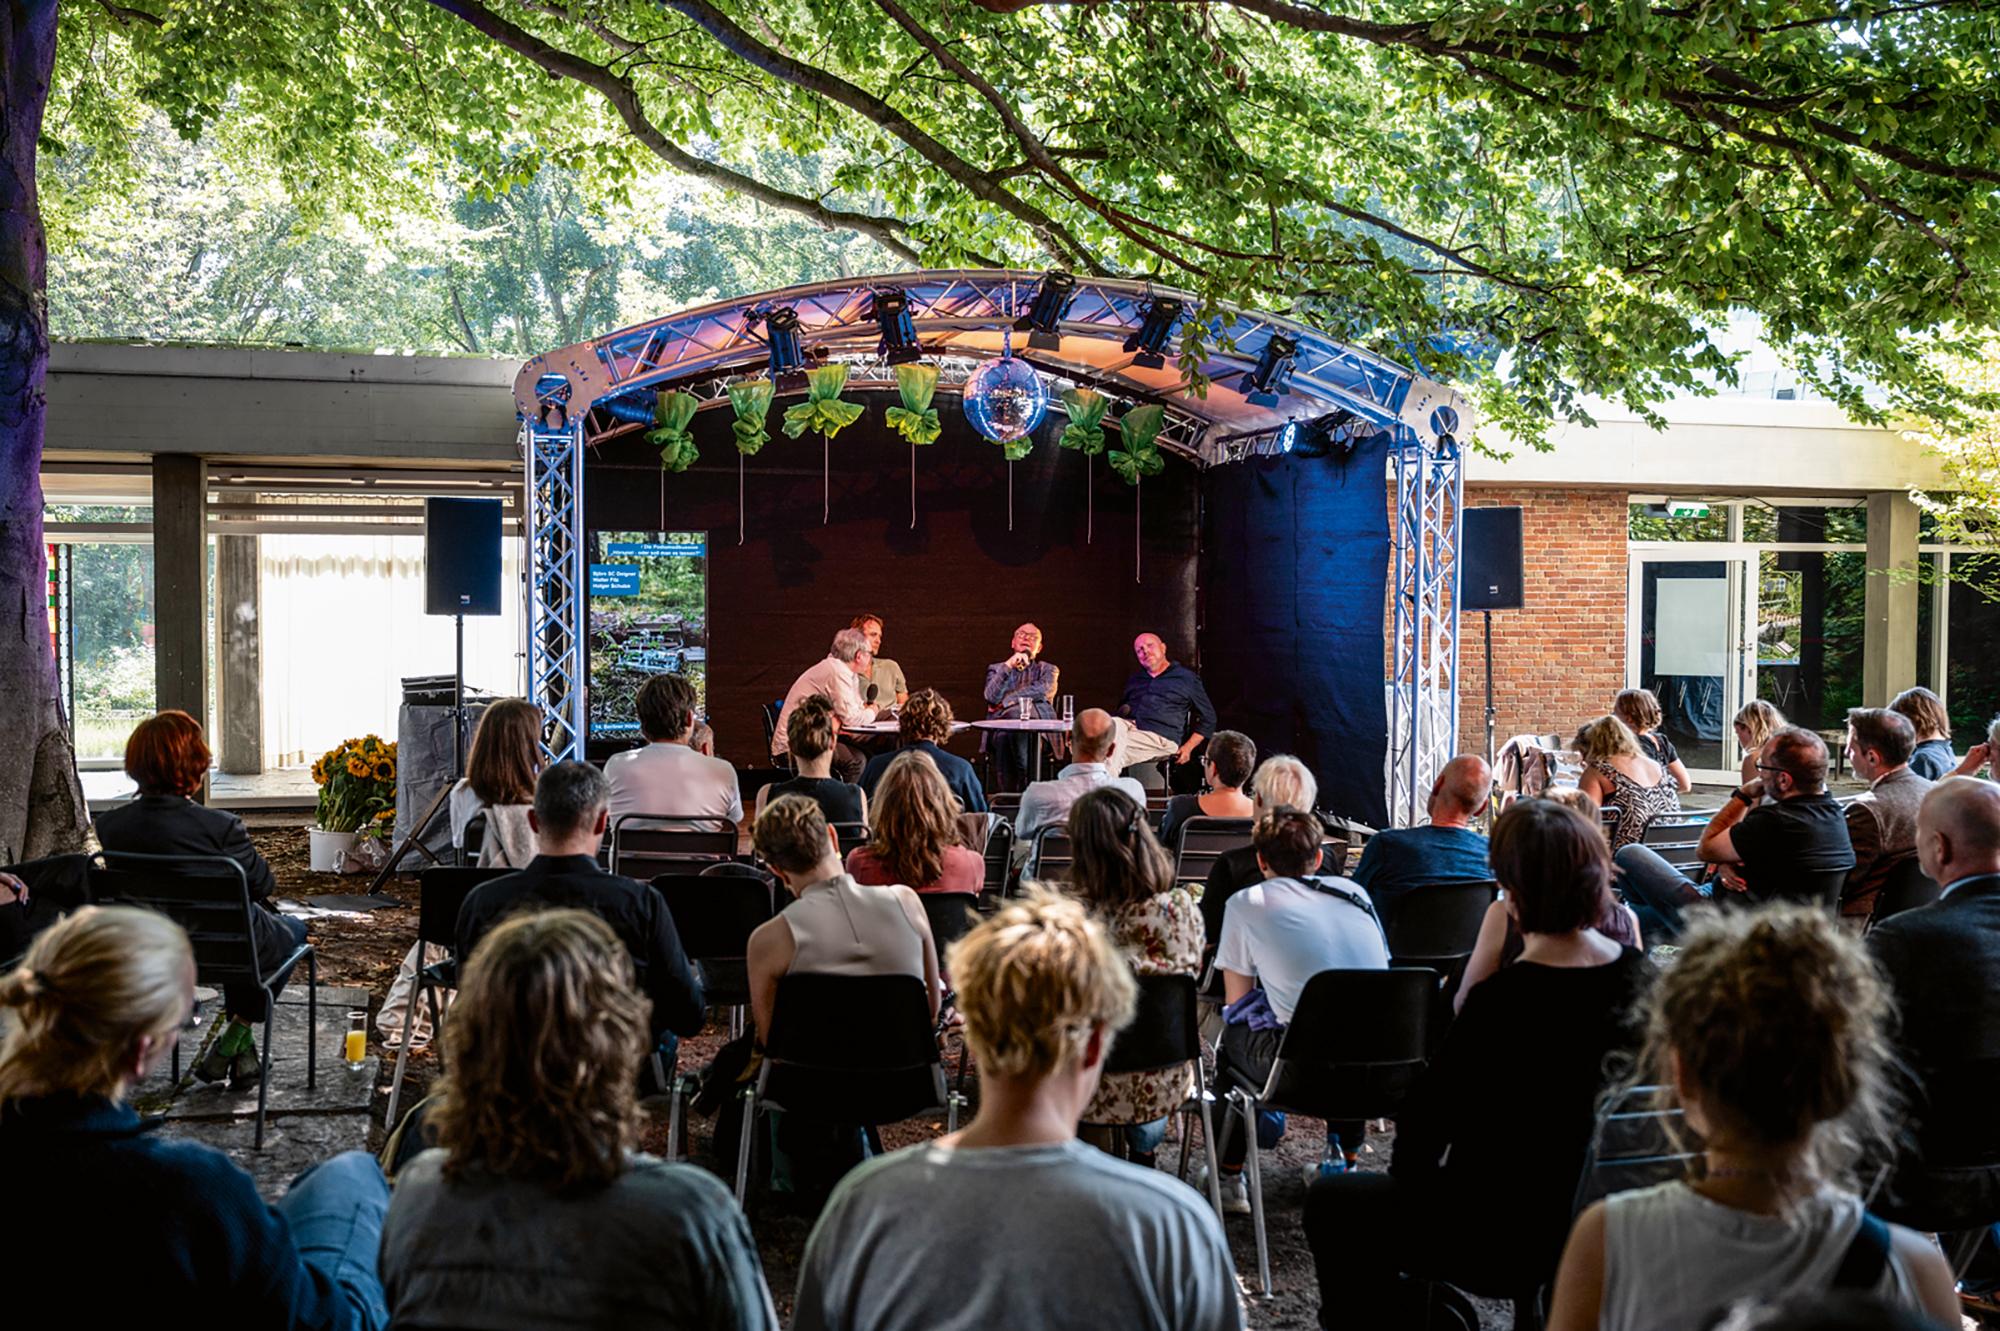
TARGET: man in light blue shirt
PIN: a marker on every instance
(1046, 803)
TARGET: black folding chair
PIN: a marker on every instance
(441, 894)
(847, 1049)
(849, 835)
(1205, 840)
(1005, 803)
(951, 916)
(1166, 1033)
(1908, 888)
(1804, 887)
(1053, 856)
(1355, 1047)
(1436, 926)
(771, 711)
(999, 861)
(645, 844)
(208, 896)
(715, 914)
(1636, 1142)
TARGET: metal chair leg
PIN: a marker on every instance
(403, 1054)
(312, 1019)
(1256, 1180)
(1208, 1149)
(743, 1145)
(436, 1006)
(951, 1106)
(264, 1081)
(673, 1117)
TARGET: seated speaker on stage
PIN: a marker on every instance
(1165, 713)
(667, 776)
(838, 679)
(1021, 678)
(891, 688)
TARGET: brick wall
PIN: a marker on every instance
(1560, 660)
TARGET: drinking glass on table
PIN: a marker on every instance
(1069, 707)
(1027, 709)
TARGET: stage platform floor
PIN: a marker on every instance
(277, 788)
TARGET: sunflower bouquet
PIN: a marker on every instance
(357, 785)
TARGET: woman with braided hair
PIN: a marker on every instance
(94, 1007)
(1768, 1032)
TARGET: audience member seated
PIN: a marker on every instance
(168, 760)
(119, 1226)
(1046, 803)
(838, 680)
(1276, 935)
(667, 776)
(1979, 758)
(1762, 849)
(1756, 721)
(1932, 758)
(499, 781)
(1230, 759)
(1943, 966)
(1012, 1222)
(536, 1211)
(811, 733)
(1500, 943)
(1281, 782)
(1399, 860)
(914, 839)
(1769, 1030)
(1820, 1312)
(1882, 822)
(1125, 878)
(702, 739)
(924, 726)
(569, 819)
(833, 926)
(1491, 1140)
(1618, 774)
(1640, 711)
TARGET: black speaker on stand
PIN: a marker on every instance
(461, 577)
(1489, 552)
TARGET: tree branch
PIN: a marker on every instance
(889, 232)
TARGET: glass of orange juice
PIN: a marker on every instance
(356, 1049)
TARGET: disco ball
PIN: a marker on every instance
(1005, 399)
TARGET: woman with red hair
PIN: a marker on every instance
(168, 758)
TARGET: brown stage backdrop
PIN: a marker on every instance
(951, 589)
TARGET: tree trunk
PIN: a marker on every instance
(42, 811)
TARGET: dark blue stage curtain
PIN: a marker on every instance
(952, 588)
(1295, 555)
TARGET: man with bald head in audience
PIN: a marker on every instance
(1046, 803)
(1446, 850)
(1943, 961)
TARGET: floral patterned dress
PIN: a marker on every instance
(1637, 804)
(1162, 936)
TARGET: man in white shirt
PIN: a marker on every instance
(838, 679)
(1277, 935)
(1046, 803)
(667, 776)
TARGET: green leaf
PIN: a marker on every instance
(1085, 431)
(1146, 462)
(823, 412)
(751, 402)
(1140, 426)
(916, 420)
(672, 414)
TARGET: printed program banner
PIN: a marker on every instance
(648, 616)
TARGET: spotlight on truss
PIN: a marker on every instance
(1052, 300)
(889, 307)
(788, 357)
(1272, 377)
(1333, 435)
(1156, 329)
(1288, 436)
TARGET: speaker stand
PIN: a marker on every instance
(1487, 615)
(416, 836)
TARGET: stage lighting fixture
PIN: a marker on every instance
(1288, 435)
(788, 357)
(630, 411)
(889, 307)
(1156, 329)
(1332, 435)
(1272, 377)
(1052, 300)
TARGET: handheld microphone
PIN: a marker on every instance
(873, 689)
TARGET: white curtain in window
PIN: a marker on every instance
(344, 623)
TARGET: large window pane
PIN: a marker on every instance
(111, 595)
(1684, 653)
(1972, 668)
(1809, 618)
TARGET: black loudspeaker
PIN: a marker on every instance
(461, 556)
(1489, 549)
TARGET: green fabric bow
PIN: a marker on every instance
(823, 412)
(916, 420)
(1137, 429)
(1085, 430)
(672, 413)
(751, 401)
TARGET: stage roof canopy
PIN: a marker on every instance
(960, 317)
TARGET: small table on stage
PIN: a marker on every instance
(893, 727)
(1051, 726)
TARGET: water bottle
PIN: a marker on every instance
(1334, 1161)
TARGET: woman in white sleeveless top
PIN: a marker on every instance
(1768, 1030)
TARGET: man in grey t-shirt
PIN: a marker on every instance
(1013, 1222)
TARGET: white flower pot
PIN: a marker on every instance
(326, 846)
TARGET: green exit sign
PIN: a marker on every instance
(1686, 509)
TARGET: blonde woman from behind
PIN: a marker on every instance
(94, 1008)
(1768, 1031)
